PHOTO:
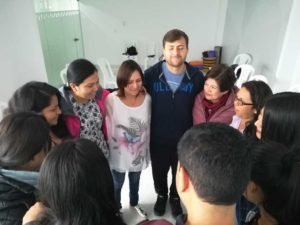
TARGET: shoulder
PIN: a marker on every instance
(147, 97)
(155, 69)
(111, 97)
(101, 94)
(200, 97)
(193, 71)
(230, 100)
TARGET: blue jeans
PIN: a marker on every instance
(134, 183)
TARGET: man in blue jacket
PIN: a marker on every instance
(173, 85)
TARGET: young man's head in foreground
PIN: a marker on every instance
(214, 166)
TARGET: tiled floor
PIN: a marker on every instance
(147, 200)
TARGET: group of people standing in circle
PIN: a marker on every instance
(74, 145)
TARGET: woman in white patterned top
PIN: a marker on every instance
(128, 125)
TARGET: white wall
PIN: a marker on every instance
(111, 25)
(288, 73)
(257, 27)
(21, 57)
(233, 29)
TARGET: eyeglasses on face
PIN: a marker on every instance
(241, 102)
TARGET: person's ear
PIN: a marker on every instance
(183, 180)
(251, 189)
(73, 87)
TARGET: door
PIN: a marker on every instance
(61, 39)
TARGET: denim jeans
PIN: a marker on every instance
(134, 183)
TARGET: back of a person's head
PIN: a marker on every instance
(281, 119)
(33, 96)
(79, 70)
(216, 158)
(76, 184)
(22, 136)
(276, 170)
(223, 75)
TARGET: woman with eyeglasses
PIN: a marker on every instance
(248, 103)
(215, 102)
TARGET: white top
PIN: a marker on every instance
(236, 121)
(128, 130)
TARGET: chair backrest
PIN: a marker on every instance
(63, 74)
(260, 78)
(243, 58)
(107, 75)
(149, 61)
(3, 105)
(245, 73)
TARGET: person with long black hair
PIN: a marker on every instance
(24, 142)
(76, 187)
(274, 185)
(43, 99)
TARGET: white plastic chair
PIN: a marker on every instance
(243, 58)
(63, 74)
(108, 78)
(260, 78)
(245, 73)
(149, 61)
(3, 105)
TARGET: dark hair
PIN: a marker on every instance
(277, 172)
(77, 186)
(281, 120)
(34, 96)
(216, 158)
(125, 71)
(259, 91)
(174, 35)
(223, 75)
(79, 70)
(22, 136)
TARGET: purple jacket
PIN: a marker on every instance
(72, 121)
(223, 115)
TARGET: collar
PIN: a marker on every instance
(28, 177)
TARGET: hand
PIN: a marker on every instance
(33, 213)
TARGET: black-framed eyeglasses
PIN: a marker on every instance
(241, 102)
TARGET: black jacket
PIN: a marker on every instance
(16, 198)
(171, 112)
